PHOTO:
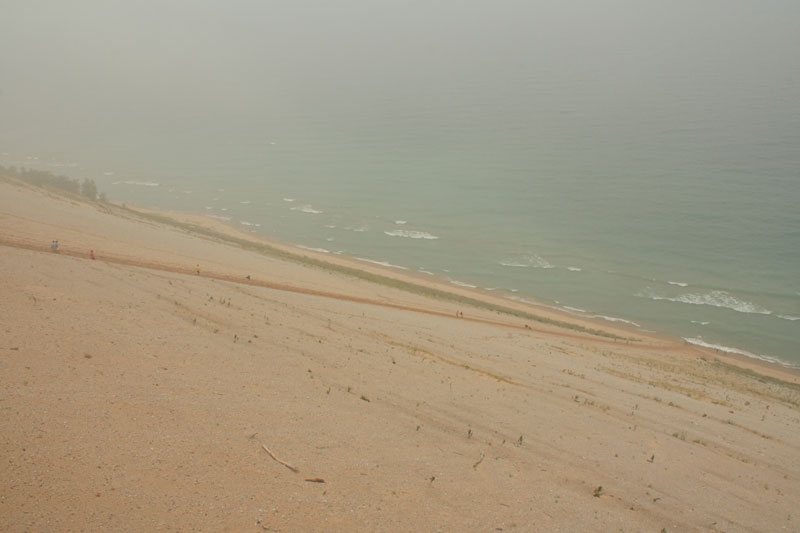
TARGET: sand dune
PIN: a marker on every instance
(139, 395)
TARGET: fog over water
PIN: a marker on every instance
(635, 160)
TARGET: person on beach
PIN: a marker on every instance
(91, 254)
(197, 269)
(54, 245)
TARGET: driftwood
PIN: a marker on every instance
(287, 465)
(475, 466)
(316, 480)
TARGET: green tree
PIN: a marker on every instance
(89, 189)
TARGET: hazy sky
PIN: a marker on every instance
(89, 68)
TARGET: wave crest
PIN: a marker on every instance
(720, 299)
(700, 342)
(409, 234)
(527, 261)
(307, 209)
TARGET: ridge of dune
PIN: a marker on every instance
(138, 394)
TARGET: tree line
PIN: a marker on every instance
(44, 178)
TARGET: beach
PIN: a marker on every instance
(193, 377)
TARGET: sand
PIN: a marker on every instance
(139, 395)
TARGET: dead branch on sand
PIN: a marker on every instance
(475, 466)
(287, 465)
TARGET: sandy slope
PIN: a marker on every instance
(137, 395)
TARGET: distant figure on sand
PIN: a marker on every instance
(197, 269)
(91, 254)
(54, 246)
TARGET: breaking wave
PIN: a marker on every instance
(310, 249)
(527, 261)
(409, 234)
(307, 209)
(138, 183)
(381, 263)
(720, 299)
(768, 358)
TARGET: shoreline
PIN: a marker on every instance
(772, 365)
(210, 226)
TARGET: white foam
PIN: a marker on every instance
(678, 283)
(714, 299)
(330, 226)
(411, 234)
(307, 209)
(789, 317)
(527, 261)
(357, 229)
(582, 313)
(208, 208)
(462, 284)
(768, 358)
(401, 222)
(141, 183)
(427, 272)
(246, 223)
(521, 299)
(700, 322)
(381, 263)
(288, 200)
(320, 250)
(108, 173)
(614, 319)
(244, 202)
(574, 269)
(226, 219)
